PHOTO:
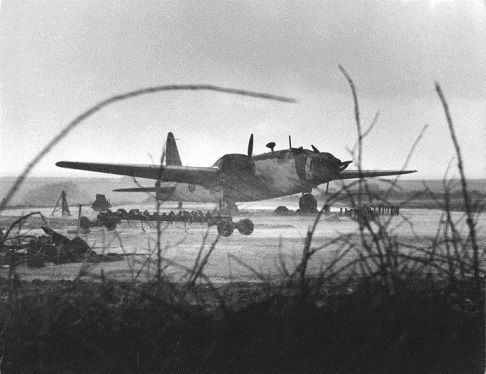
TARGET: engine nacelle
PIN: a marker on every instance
(236, 164)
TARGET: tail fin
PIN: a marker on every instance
(171, 153)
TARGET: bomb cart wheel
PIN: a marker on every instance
(110, 224)
(245, 226)
(225, 228)
(308, 203)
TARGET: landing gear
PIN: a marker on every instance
(226, 226)
(307, 203)
(228, 207)
(224, 220)
(232, 208)
(245, 226)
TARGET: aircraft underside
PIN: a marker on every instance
(242, 192)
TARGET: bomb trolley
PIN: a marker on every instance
(226, 226)
(103, 219)
(223, 222)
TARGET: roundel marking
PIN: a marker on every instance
(191, 187)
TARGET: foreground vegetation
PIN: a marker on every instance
(422, 327)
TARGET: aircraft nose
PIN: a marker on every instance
(335, 163)
(328, 160)
(326, 167)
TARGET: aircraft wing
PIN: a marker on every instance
(350, 174)
(136, 189)
(181, 174)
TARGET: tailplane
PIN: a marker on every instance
(171, 152)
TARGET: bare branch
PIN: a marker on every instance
(465, 194)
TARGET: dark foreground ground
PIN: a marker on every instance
(276, 241)
(295, 327)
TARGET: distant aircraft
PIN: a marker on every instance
(238, 177)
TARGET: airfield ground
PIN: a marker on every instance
(274, 239)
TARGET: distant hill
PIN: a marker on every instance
(45, 191)
(87, 188)
(48, 195)
(435, 185)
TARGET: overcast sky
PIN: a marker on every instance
(58, 58)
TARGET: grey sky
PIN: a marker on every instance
(60, 57)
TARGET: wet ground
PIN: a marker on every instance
(275, 240)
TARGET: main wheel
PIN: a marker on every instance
(308, 203)
(245, 226)
(110, 224)
(225, 228)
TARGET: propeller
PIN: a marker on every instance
(250, 146)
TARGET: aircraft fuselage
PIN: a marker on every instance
(275, 174)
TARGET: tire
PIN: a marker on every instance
(110, 224)
(133, 213)
(245, 226)
(121, 213)
(78, 245)
(282, 211)
(308, 203)
(225, 229)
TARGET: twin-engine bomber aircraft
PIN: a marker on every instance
(238, 177)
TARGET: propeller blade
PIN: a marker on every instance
(316, 151)
(250, 146)
(290, 143)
